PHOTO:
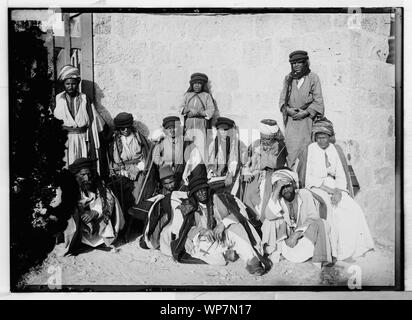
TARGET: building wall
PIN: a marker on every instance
(142, 64)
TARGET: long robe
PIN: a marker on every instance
(130, 157)
(103, 230)
(85, 123)
(278, 226)
(196, 125)
(260, 165)
(350, 234)
(223, 162)
(169, 152)
(307, 97)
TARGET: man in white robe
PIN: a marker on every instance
(80, 118)
(292, 225)
(322, 168)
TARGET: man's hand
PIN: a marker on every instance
(300, 115)
(293, 239)
(89, 216)
(291, 111)
(218, 231)
(336, 197)
(208, 234)
(278, 186)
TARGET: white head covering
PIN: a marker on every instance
(69, 72)
(285, 174)
(268, 127)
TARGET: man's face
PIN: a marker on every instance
(223, 132)
(125, 131)
(197, 87)
(85, 179)
(171, 131)
(323, 140)
(201, 195)
(297, 66)
(267, 142)
(288, 192)
(168, 184)
(71, 86)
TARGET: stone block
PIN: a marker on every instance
(376, 23)
(386, 99)
(384, 175)
(239, 27)
(203, 27)
(229, 78)
(160, 52)
(102, 23)
(270, 25)
(257, 52)
(390, 149)
(129, 76)
(307, 23)
(102, 49)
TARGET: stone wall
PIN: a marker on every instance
(142, 64)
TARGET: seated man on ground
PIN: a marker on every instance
(292, 225)
(97, 219)
(214, 228)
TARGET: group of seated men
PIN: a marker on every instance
(221, 203)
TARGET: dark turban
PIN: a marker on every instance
(82, 163)
(198, 179)
(198, 77)
(165, 172)
(123, 120)
(170, 121)
(323, 125)
(225, 123)
(298, 55)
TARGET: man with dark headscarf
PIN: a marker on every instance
(224, 158)
(97, 219)
(300, 102)
(128, 155)
(198, 108)
(214, 228)
(168, 152)
(79, 116)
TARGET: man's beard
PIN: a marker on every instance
(87, 187)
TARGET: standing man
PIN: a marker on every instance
(301, 102)
(80, 118)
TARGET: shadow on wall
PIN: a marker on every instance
(106, 115)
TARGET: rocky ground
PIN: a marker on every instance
(133, 266)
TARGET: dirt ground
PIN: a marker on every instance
(132, 265)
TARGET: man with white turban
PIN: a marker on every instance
(293, 224)
(79, 116)
(264, 156)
